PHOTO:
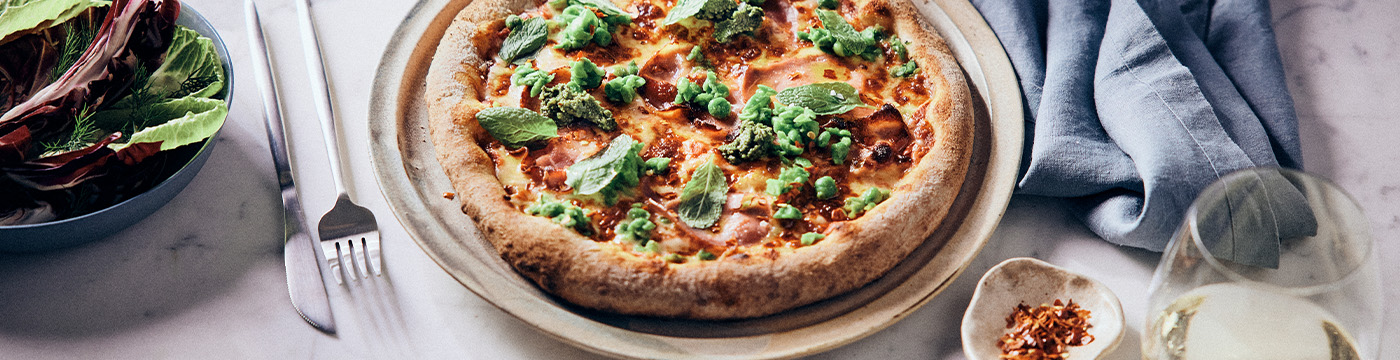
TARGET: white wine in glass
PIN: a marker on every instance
(1269, 264)
(1230, 321)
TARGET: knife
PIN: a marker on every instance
(304, 277)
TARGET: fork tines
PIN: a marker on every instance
(361, 252)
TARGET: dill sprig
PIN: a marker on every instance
(84, 133)
(143, 102)
(78, 37)
(193, 83)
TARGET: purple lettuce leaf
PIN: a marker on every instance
(134, 34)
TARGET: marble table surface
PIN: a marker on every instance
(203, 277)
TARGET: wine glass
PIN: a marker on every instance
(1269, 264)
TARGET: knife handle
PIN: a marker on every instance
(276, 136)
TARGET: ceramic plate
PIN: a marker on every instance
(414, 184)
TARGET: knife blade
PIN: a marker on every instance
(305, 283)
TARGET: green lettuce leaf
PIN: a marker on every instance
(200, 119)
(191, 68)
(22, 16)
(176, 103)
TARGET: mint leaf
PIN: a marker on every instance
(607, 7)
(823, 98)
(524, 40)
(702, 199)
(683, 9)
(730, 19)
(842, 30)
(836, 36)
(700, 9)
(516, 127)
(609, 171)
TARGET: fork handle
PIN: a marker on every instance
(320, 92)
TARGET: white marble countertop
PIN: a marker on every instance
(203, 277)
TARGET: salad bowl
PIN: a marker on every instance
(96, 225)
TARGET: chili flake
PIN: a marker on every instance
(1044, 332)
(449, 195)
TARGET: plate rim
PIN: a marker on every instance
(998, 89)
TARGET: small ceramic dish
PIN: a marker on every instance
(103, 223)
(1034, 282)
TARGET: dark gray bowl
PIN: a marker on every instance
(105, 222)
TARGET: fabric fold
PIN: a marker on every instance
(1135, 106)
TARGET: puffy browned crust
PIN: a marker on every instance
(581, 271)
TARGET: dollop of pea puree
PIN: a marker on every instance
(565, 214)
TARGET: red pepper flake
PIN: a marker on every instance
(1044, 332)
(449, 195)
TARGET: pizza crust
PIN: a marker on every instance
(605, 278)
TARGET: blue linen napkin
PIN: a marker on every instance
(1135, 106)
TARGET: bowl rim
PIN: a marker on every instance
(226, 63)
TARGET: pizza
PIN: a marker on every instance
(699, 159)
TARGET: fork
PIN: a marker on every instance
(349, 234)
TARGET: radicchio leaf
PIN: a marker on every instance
(85, 180)
(24, 64)
(15, 144)
(27, 64)
(68, 169)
